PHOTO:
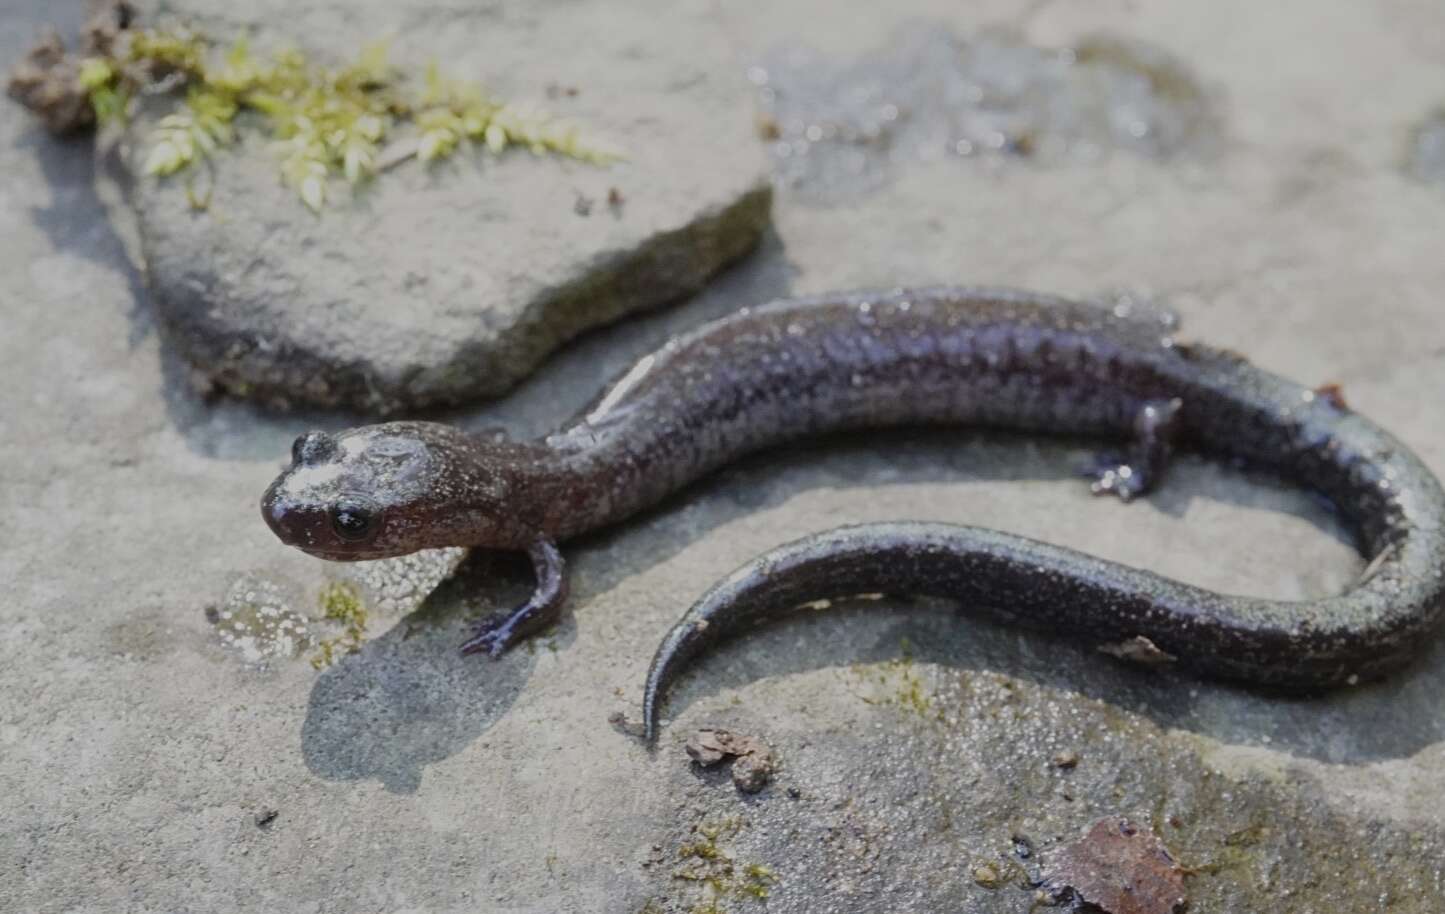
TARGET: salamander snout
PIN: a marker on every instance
(345, 524)
(321, 502)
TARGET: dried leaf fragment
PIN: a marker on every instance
(753, 761)
(48, 82)
(1119, 868)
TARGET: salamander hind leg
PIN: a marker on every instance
(1139, 471)
(495, 634)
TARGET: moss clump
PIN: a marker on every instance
(451, 113)
(716, 872)
(326, 122)
(756, 879)
(340, 603)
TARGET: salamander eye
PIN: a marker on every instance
(313, 448)
(352, 521)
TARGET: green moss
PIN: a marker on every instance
(719, 876)
(900, 685)
(988, 876)
(757, 879)
(341, 603)
(997, 874)
(451, 113)
(1248, 836)
(166, 51)
(326, 122)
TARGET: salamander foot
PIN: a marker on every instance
(495, 634)
(1126, 476)
(1112, 474)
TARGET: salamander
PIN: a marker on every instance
(767, 376)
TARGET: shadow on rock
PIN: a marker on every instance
(410, 698)
(77, 220)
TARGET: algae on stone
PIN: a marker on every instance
(325, 121)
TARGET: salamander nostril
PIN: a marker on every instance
(278, 512)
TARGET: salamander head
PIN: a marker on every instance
(391, 489)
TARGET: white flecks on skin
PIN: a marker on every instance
(353, 446)
(622, 388)
(305, 481)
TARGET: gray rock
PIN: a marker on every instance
(139, 750)
(843, 127)
(444, 283)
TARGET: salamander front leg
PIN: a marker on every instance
(496, 634)
(1141, 469)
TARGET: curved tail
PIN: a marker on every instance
(1296, 645)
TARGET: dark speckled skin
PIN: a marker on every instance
(1009, 359)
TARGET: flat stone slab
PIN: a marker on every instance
(441, 283)
(924, 762)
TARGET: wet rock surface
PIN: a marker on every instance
(436, 285)
(932, 792)
(924, 761)
(839, 128)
